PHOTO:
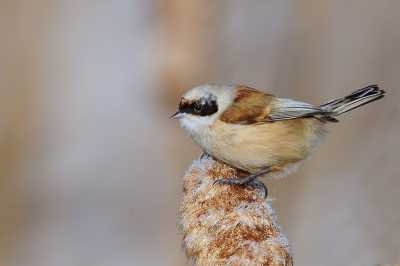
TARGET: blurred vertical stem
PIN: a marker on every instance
(227, 224)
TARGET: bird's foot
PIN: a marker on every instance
(247, 180)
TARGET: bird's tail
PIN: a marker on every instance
(335, 108)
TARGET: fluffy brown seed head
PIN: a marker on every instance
(228, 225)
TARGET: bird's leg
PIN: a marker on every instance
(204, 154)
(248, 179)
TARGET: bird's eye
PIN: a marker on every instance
(197, 107)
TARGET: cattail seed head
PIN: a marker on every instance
(228, 224)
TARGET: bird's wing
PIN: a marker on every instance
(249, 106)
(252, 106)
(285, 109)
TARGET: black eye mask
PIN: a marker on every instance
(205, 106)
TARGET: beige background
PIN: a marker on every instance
(91, 168)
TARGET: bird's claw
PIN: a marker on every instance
(247, 180)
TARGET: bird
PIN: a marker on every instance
(258, 132)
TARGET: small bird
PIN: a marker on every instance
(256, 131)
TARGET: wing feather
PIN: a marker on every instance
(289, 109)
(249, 106)
(252, 106)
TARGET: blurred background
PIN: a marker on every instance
(91, 167)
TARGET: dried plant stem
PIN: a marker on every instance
(227, 224)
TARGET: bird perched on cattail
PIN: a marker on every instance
(258, 132)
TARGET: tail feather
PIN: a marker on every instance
(353, 100)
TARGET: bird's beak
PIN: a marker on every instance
(177, 115)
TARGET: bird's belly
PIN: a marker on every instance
(280, 145)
